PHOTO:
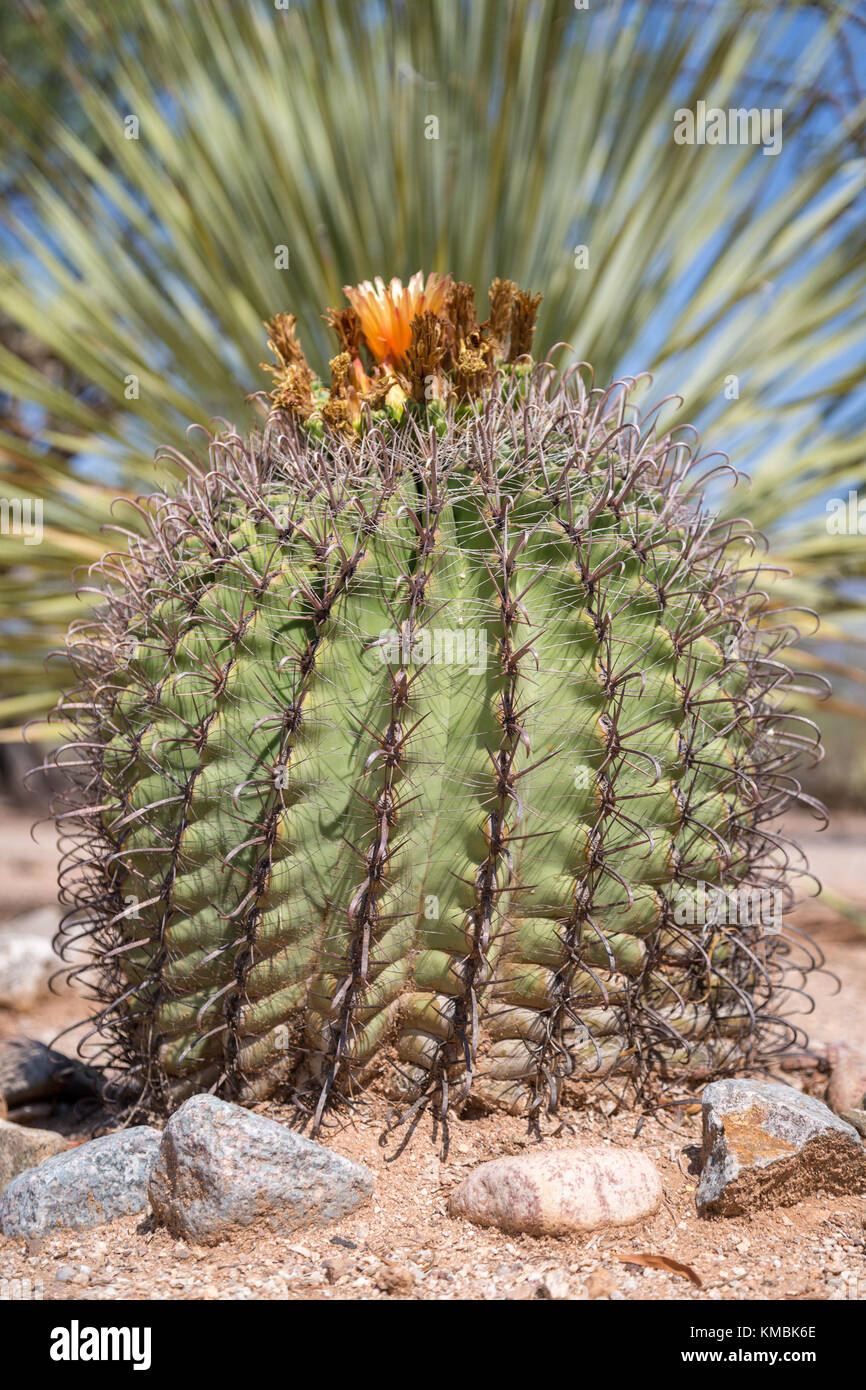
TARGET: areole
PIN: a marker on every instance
(302, 866)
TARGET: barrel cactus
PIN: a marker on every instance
(432, 739)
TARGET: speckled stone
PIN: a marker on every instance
(562, 1190)
(83, 1187)
(221, 1167)
(768, 1145)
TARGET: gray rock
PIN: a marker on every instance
(22, 1148)
(30, 1071)
(221, 1167)
(560, 1190)
(26, 965)
(768, 1145)
(83, 1187)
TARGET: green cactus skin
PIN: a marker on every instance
(316, 843)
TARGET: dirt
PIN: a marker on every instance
(405, 1245)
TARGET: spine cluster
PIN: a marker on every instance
(305, 857)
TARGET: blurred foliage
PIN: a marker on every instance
(306, 127)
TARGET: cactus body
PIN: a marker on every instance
(438, 756)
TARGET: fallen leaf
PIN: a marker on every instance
(663, 1262)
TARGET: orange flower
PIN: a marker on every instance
(386, 312)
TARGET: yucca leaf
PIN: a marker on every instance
(150, 262)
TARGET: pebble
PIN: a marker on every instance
(394, 1279)
(528, 1289)
(561, 1190)
(766, 1144)
(22, 1148)
(221, 1167)
(600, 1284)
(337, 1267)
(83, 1187)
(555, 1285)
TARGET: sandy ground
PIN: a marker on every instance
(404, 1244)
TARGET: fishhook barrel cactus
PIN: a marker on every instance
(432, 738)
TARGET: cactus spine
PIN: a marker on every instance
(432, 738)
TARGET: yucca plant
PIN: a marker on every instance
(433, 734)
(146, 265)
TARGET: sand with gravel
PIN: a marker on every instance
(405, 1245)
